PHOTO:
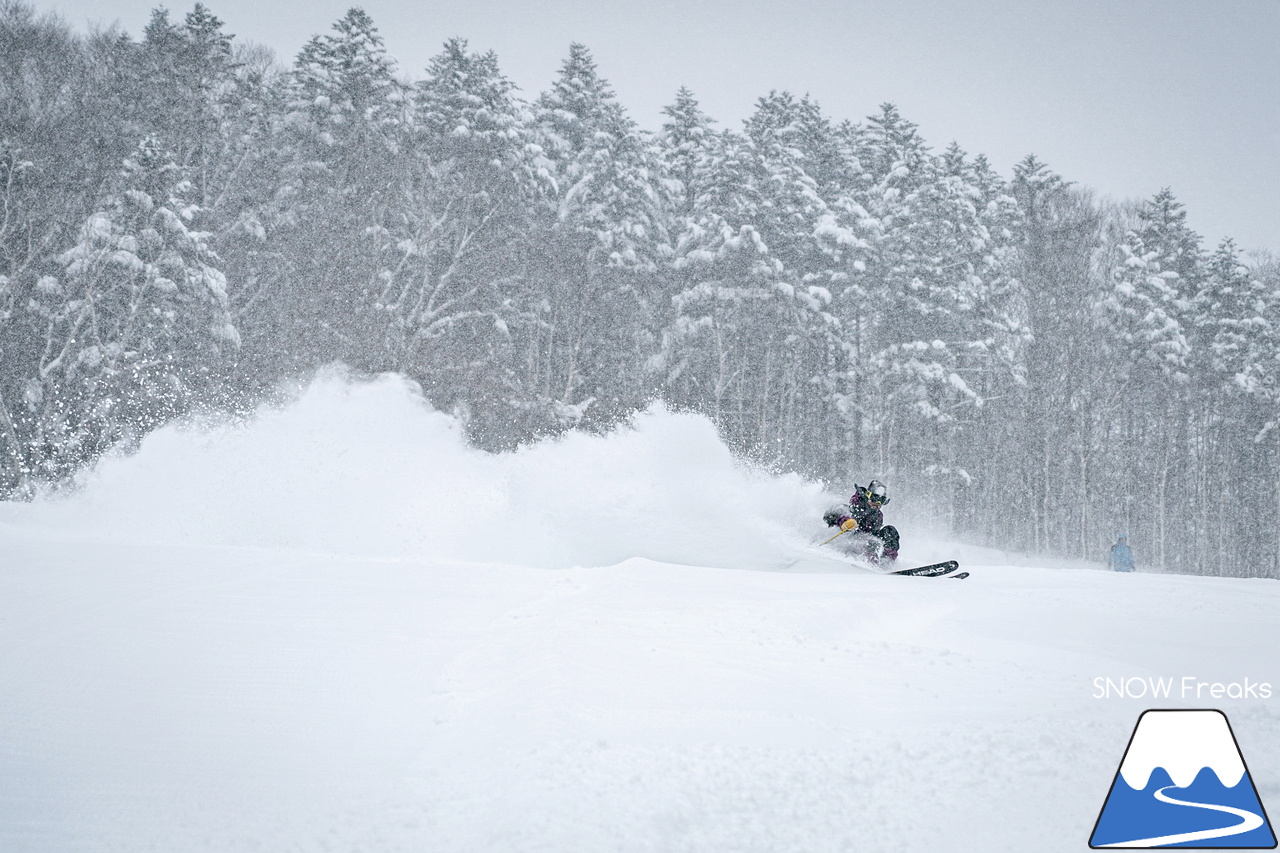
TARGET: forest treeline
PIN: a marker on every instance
(185, 224)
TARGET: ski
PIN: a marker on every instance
(935, 570)
(958, 576)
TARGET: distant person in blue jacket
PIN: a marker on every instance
(1120, 558)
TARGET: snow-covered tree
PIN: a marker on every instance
(911, 384)
(1237, 323)
(604, 168)
(696, 350)
(1150, 309)
(604, 239)
(135, 323)
(187, 73)
(342, 147)
(1151, 313)
(346, 86)
(1051, 485)
(453, 276)
(687, 144)
(753, 341)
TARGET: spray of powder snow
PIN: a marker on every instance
(369, 468)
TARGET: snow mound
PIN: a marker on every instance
(369, 468)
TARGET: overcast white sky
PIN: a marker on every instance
(1124, 96)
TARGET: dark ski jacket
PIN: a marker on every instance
(869, 520)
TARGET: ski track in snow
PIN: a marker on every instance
(337, 628)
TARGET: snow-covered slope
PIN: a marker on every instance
(336, 628)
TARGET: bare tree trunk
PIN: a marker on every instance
(21, 480)
(1162, 519)
(1275, 569)
(1044, 500)
(722, 363)
(762, 434)
(1084, 493)
(860, 403)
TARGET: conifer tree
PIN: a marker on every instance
(453, 277)
(710, 258)
(687, 144)
(1065, 360)
(597, 263)
(1151, 304)
(753, 339)
(346, 86)
(189, 84)
(603, 168)
(343, 147)
(1234, 407)
(910, 366)
(1150, 314)
(1236, 320)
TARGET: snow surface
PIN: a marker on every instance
(336, 628)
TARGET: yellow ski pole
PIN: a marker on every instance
(837, 536)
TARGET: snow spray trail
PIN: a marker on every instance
(369, 468)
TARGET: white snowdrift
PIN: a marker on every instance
(368, 468)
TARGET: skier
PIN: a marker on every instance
(1120, 558)
(862, 518)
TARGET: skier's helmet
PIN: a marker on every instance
(876, 494)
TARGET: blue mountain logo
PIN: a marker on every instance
(1183, 783)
